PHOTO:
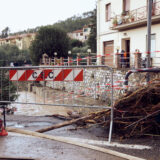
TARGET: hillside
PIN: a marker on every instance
(68, 25)
(73, 23)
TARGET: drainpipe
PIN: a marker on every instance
(151, 70)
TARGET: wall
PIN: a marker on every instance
(97, 84)
(137, 36)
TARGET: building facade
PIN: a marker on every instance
(122, 27)
(22, 41)
(81, 35)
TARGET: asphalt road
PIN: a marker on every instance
(20, 146)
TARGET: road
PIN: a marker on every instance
(18, 146)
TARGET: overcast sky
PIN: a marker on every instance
(23, 14)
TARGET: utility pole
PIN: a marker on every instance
(149, 23)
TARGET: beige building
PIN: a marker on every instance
(22, 41)
(81, 35)
(122, 25)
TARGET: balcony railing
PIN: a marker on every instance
(135, 18)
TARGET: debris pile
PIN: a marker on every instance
(137, 113)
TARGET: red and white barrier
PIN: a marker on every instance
(47, 75)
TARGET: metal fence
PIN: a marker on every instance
(60, 86)
(137, 15)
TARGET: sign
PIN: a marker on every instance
(46, 75)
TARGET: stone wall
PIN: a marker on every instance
(97, 83)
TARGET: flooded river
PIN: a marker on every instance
(57, 98)
(36, 110)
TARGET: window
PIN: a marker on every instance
(126, 6)
(81, 34)
(108, 12)
(86, 29)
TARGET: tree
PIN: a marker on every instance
(75, 43)
(11, 53)
(92, 40)
(7, 88)
(5, 32)
(49, 40)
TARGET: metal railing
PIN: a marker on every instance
(59, 86)
(90, 60)
(136, 15)
(118, 60)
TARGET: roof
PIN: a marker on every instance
(17, 36)
(78, 31)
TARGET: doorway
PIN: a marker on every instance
(126, 53)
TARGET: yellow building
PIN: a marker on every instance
(22, 41)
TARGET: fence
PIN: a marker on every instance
(117, 60)
(15, 80)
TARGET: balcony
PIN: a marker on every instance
(136, 18)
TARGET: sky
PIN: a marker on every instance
(20, 15)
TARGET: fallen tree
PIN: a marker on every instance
(75, 121)
(137, 113)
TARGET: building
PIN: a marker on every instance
(81, 35)
(122, 25)
(22, 41)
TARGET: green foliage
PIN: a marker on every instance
(49, 40)
(3, 57)
(74, 23)
(11, 53)
(7, 88)
(75, 43)
(69, 25)
(5, 32)
(81, 50)
(92, 40)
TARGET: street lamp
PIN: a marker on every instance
(89, 59)
(55, 53)
(89, 51)
(69, 52)
(69, 58)
(78, 59)
(55, 58)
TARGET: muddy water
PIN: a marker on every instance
(36, 110)
(57, 98)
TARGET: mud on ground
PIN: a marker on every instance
(57, 150)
